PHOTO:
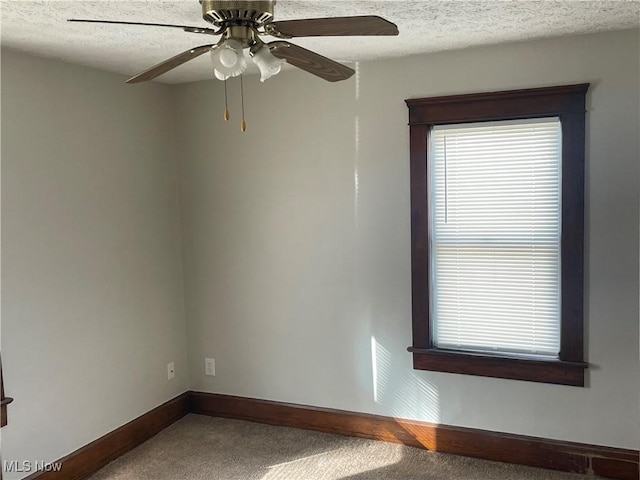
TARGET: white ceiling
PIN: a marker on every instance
(39, 27)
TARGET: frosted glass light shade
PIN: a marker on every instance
(267, 63)
(228, 60)
(228, 57)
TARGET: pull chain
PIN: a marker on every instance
(226, 103)
(243, 126)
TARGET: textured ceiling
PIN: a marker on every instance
(39, 27)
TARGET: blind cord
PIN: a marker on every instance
(446, 209)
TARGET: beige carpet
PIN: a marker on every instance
(199, 448)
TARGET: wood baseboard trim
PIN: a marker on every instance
(615, 463)
(92, 457)
(606, 462)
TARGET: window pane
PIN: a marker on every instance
(495, 236)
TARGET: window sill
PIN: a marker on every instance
(515, 368)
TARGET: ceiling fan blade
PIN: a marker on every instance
(170, 64)
(311, 62)
(336, 26)
(186, 28)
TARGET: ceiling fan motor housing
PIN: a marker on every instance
(238, 12)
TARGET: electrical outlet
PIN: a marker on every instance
(171, 371)
(210, 367)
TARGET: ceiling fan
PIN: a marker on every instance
(241, 23)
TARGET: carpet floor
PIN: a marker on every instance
(204, 448)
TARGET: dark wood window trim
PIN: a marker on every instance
(569, 104)
(4, 401)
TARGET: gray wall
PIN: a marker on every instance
(92, 295)
(297, 240)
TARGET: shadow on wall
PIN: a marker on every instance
(402, 392)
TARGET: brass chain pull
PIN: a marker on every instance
(243, 125)
(226, 103)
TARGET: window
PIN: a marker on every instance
(495, 236)
(497, 194)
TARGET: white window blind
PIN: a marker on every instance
(495, 205)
